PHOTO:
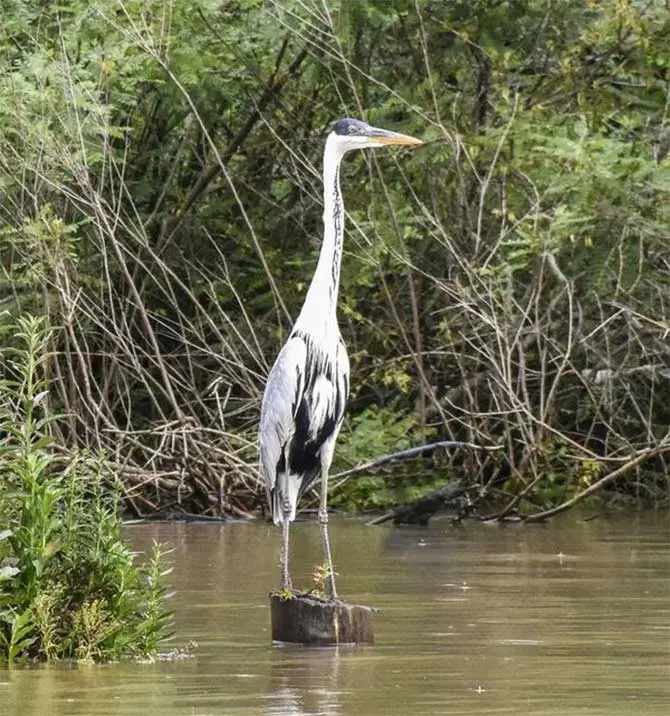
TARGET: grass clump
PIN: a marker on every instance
(69, 585)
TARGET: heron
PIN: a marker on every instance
(307, 388)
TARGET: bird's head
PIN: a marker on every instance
(348, 134)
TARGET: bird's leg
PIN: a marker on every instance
(323, 521)
(285, 579)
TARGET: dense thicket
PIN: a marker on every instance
(507, 285)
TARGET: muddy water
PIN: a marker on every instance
(571, 618)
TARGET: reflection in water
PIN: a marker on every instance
(571, 619)
(291, 669)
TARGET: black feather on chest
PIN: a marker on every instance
(313, 428)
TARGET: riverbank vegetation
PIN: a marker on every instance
(506, 286)
(69, 585)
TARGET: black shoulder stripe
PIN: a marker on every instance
(299, 378)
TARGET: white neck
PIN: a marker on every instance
(321, 300)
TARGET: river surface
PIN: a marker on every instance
(570, 618)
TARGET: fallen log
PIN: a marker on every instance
(421, 451)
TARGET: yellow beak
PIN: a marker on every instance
(383, 136)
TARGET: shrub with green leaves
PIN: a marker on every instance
(505, 285)
(69, 585)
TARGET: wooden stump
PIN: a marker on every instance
(306, 619)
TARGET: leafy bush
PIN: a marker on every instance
(373, 433)
(505, 285)
(69, 586)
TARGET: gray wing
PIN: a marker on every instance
(283, 393)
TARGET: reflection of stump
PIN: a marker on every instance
(307, 619)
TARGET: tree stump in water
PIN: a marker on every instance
(307, 619)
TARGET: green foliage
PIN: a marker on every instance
(69, 586)
(159, 186)
(381, 493)
(374, 432)
(320, 576)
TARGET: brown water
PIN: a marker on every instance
(570, 618)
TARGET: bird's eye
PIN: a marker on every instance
(351, 129)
